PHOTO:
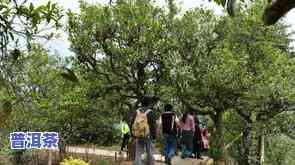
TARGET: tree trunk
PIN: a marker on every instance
(262, 149)
(254, 141)
(253, 149)
(245, 145)
(253, 156)
(1, 143)
(219, 137)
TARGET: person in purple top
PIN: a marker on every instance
(187, 128)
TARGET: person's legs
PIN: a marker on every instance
(150, 152)
(183, 145)
(166, 149)
(190, 142)
(198, 151)
(139, 149)
(187, 144)
(185, 151)
(125, 141)
(195, 147)
(172, 143)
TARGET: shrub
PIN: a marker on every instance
(72, 161)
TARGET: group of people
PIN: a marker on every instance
(184, 133)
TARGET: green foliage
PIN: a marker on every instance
(117, 48)
(214, 64)
(20, 21)
(236, 71)
(5, 111)
(72, 161)
(28, 18)
(281, 150)
(105, 162)
(53, 104)
(233, 64)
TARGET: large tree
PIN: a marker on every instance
(123, 46)
(235, 64)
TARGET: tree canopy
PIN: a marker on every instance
(235, 71)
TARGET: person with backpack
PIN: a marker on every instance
(144, 131)
(187, 127)
(168, 122)
(125, 133)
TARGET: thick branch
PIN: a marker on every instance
(195, 108)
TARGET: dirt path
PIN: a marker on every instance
(101, 152)
(115, 154)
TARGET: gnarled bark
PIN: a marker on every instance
(219, 137)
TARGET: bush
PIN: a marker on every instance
(104, 162)
(72, 161)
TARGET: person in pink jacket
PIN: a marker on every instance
(187, 128)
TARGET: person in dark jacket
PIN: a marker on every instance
(198, 142)
(168, 122)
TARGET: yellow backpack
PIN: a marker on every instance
(140, 128)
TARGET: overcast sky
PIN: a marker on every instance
(61, 45)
